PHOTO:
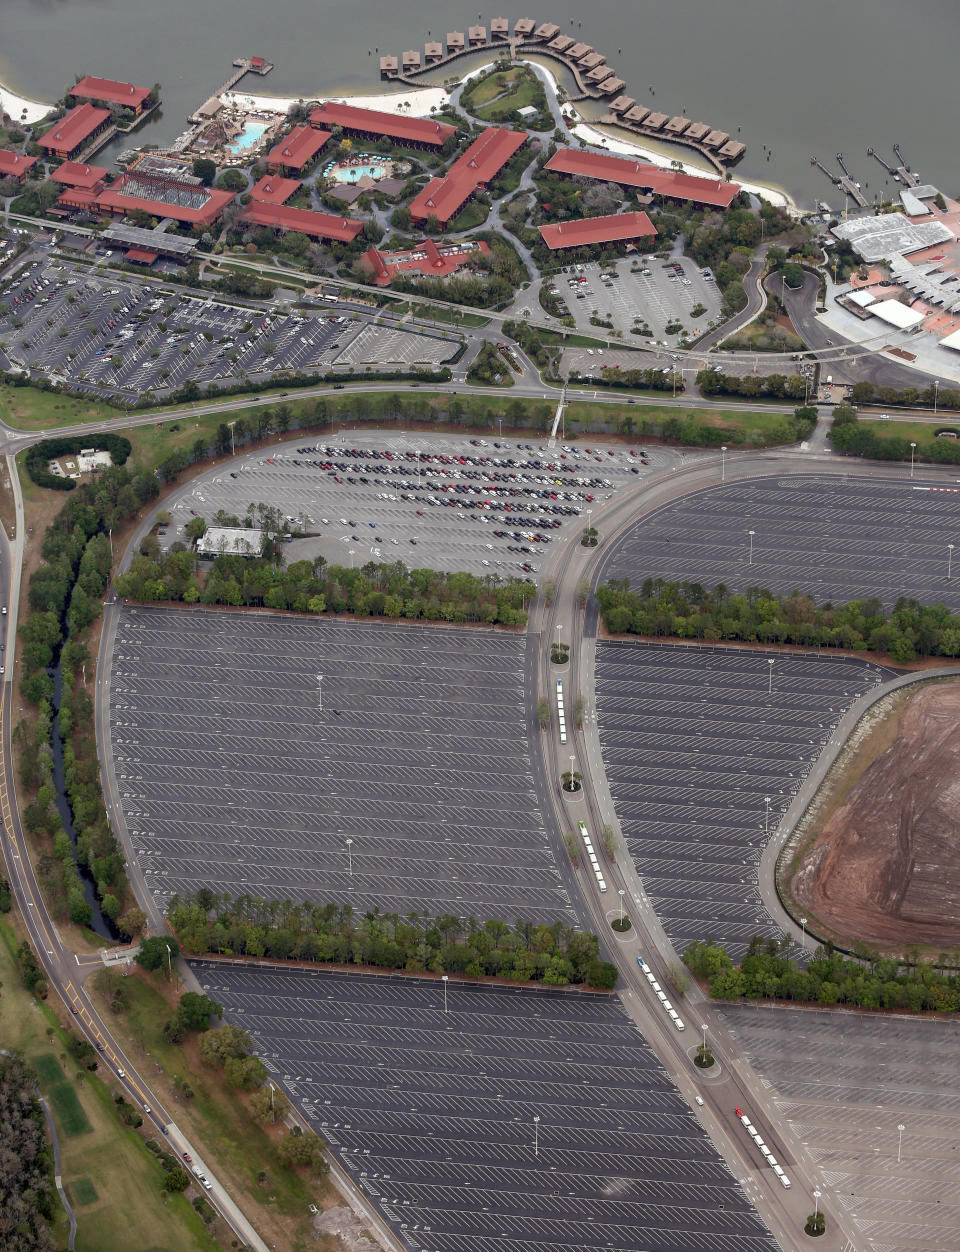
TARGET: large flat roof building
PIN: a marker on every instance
(587, 231)
(357, 121)
(443, 198)
(188, 203)
(307, 221)
(66, 137)
(296, 150)
(716, 192)
(111, 92)
(15, 164)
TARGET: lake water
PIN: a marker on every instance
(791, 80)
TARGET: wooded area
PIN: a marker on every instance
(26, 1163)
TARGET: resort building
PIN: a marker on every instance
(372, 124)
(715, 192)
(66, 137)
(297, 150)
(307, 221)
(427, 258)
(443, 198)
(76, 174)
(15, 165)
(188, 203)
(626, 228)
(271, 190)
(127, 95)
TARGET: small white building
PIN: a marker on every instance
(230, 541)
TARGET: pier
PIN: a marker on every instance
(245, 65)
(843, 181)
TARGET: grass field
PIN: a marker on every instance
(494, 86)
(241, 1147)
(125, 1208)
(26, 408)
(919, 432)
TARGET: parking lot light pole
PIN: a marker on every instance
(770, 683)
(913, 448)
(320, 692)
(901, 1128)
(766, 815)
(500, 427)
(621, 906)
(723, 462)
(803, 933)
(949, 559)
(816, 1202)
(936, 395)
(446, 979)
(751, 533)
(233, 447)
(350, 857)
(536, 1145)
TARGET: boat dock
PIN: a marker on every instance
(899, 173)
(843, 180)
(245, 65)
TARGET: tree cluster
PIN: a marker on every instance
(26, 1163)
(868, 982)
(489, 367)
(40, 454)
(280, 930)
(685, 610)
(388, 590)
(848, 435)
(755, 386)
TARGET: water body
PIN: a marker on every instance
(794, 79)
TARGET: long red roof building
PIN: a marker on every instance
(356, 121)
(272, 190)
(15, 164)
(112, 92)
(585, 231)
(443, 198)
(67, 136)
(298, 149)
(307, 221)
(716, 192)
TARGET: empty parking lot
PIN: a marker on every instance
(833, 538)
(405, 782)
(845, 1083)
(648, 292)
(693, 740)
(432, 1112)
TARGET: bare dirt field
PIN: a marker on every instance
(885, 867)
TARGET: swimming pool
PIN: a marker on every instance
(350, 173)
(248, 138)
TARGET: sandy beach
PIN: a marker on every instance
(20, 108)
(416, 103)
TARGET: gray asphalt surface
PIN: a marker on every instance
(232, 776)
(432, 1112)
(836, 539)
(693, 741)
(845, 1083)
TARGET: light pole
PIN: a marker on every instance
(816, 1203)
(912, 450)
(949, 559)
(901, 1128)
(350, 856)
(936, 395)
(536, 1146)
(500, 427)
(766, 815)
(572, 759)
(803, 933)
(703, 1027)
(723, 462)
(320, 692)
(770, 671)
(446, 979)
(751, 533)
(621, 906)
(233, 446)
(559, 628)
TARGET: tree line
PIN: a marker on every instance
(869, 981)
(685, 610)
(388, 590)
(26, 1162)
(849, 435)
(280, 930)
(714, 382)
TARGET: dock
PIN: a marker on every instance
(899, 173)
(245, 65)
(843, 181)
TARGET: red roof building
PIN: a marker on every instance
(296, 150)
(443, 198)
(275, 190)
(369, 122)
(143, 256)
(66, 137)
(715, 192)
(76, 174)
(617, 228)
(426, 258)
(125, 94)
(308, 222)
(15, 164)
(200, 206)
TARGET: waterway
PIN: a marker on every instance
(791, 80)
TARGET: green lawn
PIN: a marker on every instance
(470, 216)
(917, 432)
(525, 92)
(68, 1110)
(494, 85)
(126, 1209)
(26, 408)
